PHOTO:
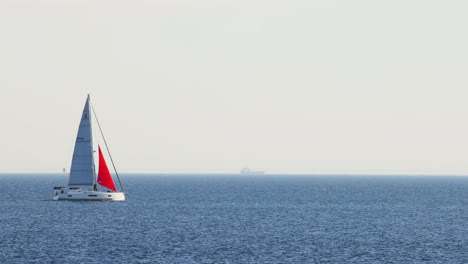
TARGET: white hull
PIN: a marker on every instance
(90, 196)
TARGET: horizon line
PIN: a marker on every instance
(250, 175)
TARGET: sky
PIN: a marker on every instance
(297, 86)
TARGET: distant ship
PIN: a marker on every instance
(251, 172)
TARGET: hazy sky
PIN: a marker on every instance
(213, 86)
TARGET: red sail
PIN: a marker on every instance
(104, 176)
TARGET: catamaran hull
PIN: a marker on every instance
(90, 196)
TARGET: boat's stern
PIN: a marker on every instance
(57, 191)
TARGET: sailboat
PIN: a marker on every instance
(82, 181)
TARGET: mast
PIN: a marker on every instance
(107, 148)
(92, 144)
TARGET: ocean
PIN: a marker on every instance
(239, 219)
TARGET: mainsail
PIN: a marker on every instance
(82, 167)
(104, 176)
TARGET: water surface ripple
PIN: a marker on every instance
(239, 219)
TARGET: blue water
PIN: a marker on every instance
(239, 219)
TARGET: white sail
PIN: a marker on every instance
(82, 168)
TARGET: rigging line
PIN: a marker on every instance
(108, 151)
